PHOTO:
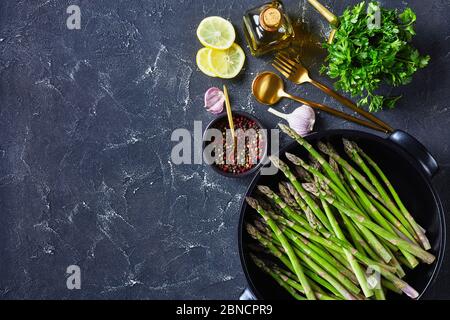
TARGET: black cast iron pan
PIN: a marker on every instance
(410, 168)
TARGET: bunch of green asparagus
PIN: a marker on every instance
(335, 229)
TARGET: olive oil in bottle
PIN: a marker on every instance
(267, 28)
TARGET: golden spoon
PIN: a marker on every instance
(268, 88)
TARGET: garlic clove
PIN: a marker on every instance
(302, 120)
(214, 100)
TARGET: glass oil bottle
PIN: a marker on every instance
(267, 28)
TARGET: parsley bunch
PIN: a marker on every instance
(363, 56)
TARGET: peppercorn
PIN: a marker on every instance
(243, 160)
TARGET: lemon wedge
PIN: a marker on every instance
(227, 63)
(216, 33)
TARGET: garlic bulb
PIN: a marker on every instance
(214, 100)
(301, 120)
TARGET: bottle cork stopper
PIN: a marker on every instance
(270, 19)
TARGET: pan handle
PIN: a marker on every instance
(417, 150)
(247, 294)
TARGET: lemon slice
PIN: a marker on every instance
(202, 60)
(227, 63)
(216, 33)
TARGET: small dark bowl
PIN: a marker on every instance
(223, 117)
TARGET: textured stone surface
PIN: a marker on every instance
(85, 124)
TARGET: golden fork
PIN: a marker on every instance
(297, 73)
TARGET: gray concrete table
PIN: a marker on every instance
(85, 123)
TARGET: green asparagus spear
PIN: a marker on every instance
(333, 176)
(330, 260)
(356, 152)
(303, 175)
(379, 294)
(295, 217)
(355, 265)
(392, 238)
(368, 235)
(371, 209)
(277, 252)
(260, 264)
(333, 243)
(314, 266)
(384, 270)
(318, 175)
(393, 220)
(292, 257)
(306, 197)
(284, 207)
(290, 279)
(287, 197)
(327, 149)
(298, 241)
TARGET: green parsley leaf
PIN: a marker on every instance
(363, 56)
